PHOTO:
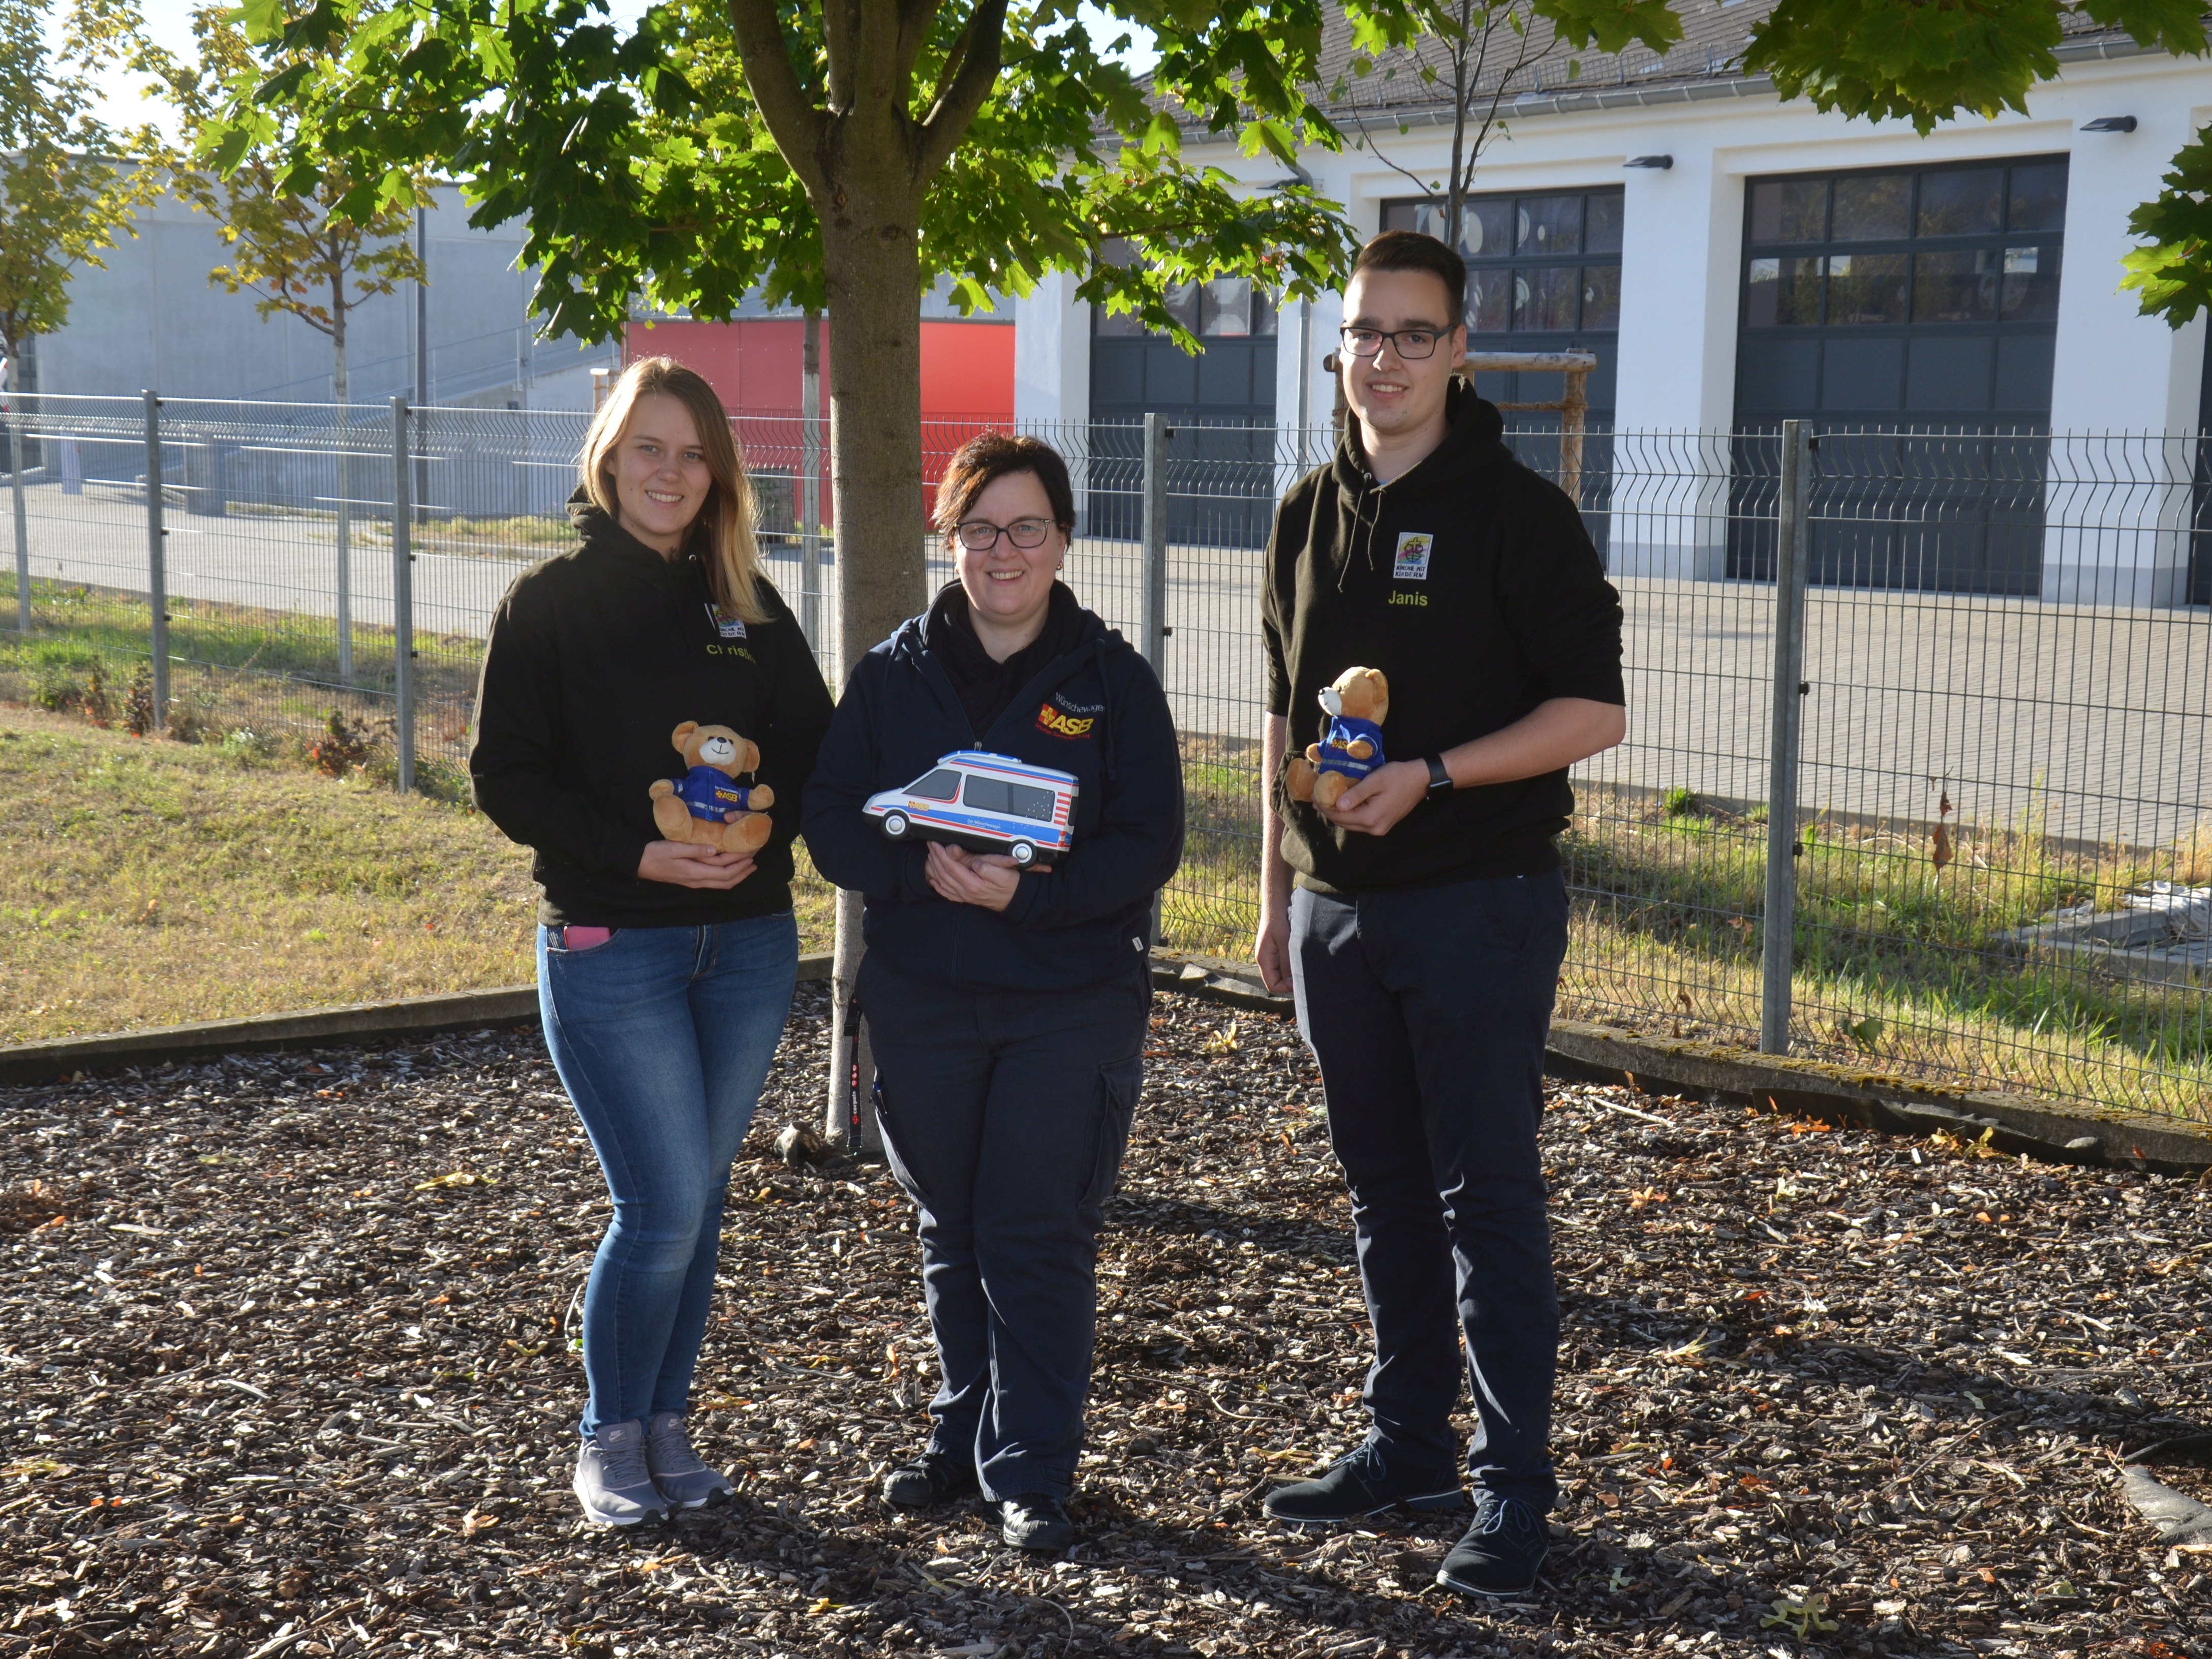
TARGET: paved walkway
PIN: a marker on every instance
(2100, 720)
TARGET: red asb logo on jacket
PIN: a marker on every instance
(1064, 725)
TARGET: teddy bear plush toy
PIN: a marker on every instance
(707, 806)
(1351, 746)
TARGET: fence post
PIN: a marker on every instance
(157, 573)
(810, 485)
(1791, 556)
(403, 598)
(1153, 629)
(22, 514)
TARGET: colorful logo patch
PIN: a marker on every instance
(1064, 725)
(730, 628)
(1412, 564)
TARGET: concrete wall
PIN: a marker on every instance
(151, 318)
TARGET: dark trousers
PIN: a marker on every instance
(1428, 1010)
(1006, 1114)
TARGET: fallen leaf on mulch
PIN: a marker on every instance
(268, 1372)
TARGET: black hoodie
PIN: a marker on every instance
(1094, 709)
(1470, 583)
(594, 658)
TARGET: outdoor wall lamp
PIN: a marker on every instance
(1661, 162)
(2110, 124)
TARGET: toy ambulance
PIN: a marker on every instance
(987, 803)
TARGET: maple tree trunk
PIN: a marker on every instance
(871, 264)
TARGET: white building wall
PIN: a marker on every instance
(2116, 371)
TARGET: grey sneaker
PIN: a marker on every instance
(613, 1483)
(683, 1480)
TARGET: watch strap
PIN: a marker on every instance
(1440, 780)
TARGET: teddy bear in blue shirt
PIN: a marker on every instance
(707, 805)
(1351, 747)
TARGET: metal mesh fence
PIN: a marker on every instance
(2003, 872)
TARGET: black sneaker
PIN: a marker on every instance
(932, 1479)
(1360, 1484)
(1035, 1522)
(1501, 1552)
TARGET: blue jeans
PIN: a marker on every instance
(662, 1036)
(1428, 1009)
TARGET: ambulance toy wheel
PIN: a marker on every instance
(895, 824)
(1022, 853)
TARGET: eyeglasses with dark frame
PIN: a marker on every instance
(980, 535)
(1411, 343)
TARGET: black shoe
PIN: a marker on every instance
(1035, 1522)
(932, 1479)
(1501, 1552)
(1362, 1483)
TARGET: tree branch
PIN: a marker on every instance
(841, 35)
(947, 123)
(796, 125)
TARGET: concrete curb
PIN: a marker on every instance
(2054, 1131)
(357, 1023)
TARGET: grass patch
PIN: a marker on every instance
(151, 883)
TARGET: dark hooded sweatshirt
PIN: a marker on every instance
(1470, 581)
(1094, 708)
(594, 658)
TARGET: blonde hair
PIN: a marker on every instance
(731, 554)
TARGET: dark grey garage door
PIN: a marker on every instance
(1221, 403)
(1918, 298)
(1543, 274)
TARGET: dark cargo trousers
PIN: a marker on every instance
(1006, 1114)
(1428, 1009)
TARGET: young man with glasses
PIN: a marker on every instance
(1420, 919)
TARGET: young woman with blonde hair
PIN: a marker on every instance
(665, 967)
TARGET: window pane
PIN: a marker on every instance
(1119, 324)
(1401, 215)
(1866, 288)
(2031, 284)
(1782, 293)
(1024, 802)
(1428, 219)
(1870, 208)
(985, 794)
(1602, 229)
(1549, 224)
(1224, 308)
(1544, 298)
(1182, 303)
(1960, 203)
(1485, 228)
(2038, 198)
(942, 784)
(1789, 210)
(1489, 301)
(1600, 297)
(1263, 313)
(1954, 288)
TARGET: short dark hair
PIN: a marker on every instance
(994, 455)
(1410, 250)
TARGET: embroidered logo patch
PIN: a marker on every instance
(730, 628)
(1063, 725)
(1412, 562)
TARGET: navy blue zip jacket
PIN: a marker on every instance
(1096, 711)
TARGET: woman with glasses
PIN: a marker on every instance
(1007, 1004)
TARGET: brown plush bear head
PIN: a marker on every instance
(1359, 694)
(716, 746)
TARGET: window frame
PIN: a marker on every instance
(1513, 261)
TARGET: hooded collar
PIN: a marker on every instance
(1472, 442)
(597, 529)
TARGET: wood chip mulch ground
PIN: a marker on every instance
(286, 1347)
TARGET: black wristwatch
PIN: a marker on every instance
(1440, 780)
